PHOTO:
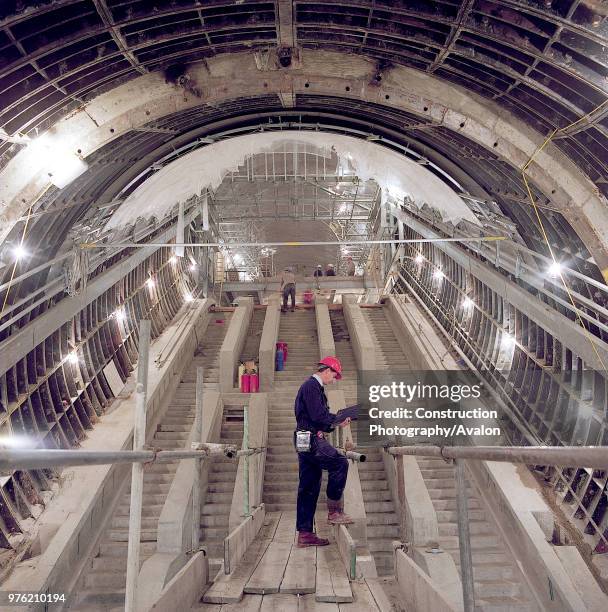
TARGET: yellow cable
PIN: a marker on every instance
(544, 233)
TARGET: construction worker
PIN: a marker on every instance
(330, 270)
(350, 267)
(288, 288)
(313, 420)
(318, 271)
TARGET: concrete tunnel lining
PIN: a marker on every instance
(134, 104)
(205, 168)
(150, 104)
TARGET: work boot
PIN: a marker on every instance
(335, 513)
(308, 538)
(293, 309)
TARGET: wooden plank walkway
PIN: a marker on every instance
(275, 575)
(268, 575)
(229, 588)
(300, 573)
(367, 599)
(333, 584)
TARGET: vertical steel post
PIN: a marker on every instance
(137, 471)
(198, 463)
(464, 538)
(246, 509)
(179, 231)
(400, 471)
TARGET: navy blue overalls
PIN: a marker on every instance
(312, 414)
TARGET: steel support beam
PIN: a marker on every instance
(137, 470)
(18, 345)
(286, 33)
(293, 243)
(564, 456)
(198, 463)
(569, 333)
(464, 538)
(343, 284)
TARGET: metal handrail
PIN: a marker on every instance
(595, 457)
(566, 456)
(36, 459)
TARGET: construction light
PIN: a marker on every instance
(188, 297)
(173, 259)
(73, 357)
(419, 259)
(508, 340)
(467, 303)
(19, 252)
(150, 282)
(119, 314)
(555, 269)
(438, 274)
(192, 267)
(17, 441)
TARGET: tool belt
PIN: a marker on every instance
(303, 441)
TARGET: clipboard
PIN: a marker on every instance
(351, 412)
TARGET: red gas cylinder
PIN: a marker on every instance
(254, 383)
(245, 383)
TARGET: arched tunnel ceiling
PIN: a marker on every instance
(543, 62)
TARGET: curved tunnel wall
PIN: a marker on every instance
(47, 396)
(409, 79)
(556, 397)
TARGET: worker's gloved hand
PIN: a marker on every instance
(349, 445)
(345, 422)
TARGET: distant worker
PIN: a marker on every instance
(330, 270)
(350, 267)
(318, 271)
(316, 454)
(288, 288)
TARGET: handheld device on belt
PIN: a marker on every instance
(303, 441)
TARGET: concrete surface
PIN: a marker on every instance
(185, 589)
(89, 493)
(417, 589)
(233, 343)
(360, 337)
(268, 342)
(258, 435)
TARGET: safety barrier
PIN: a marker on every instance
(562, 588)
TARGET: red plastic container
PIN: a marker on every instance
(245, 383)
(254, 383)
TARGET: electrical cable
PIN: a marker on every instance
(544, 233)
(27, 220)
